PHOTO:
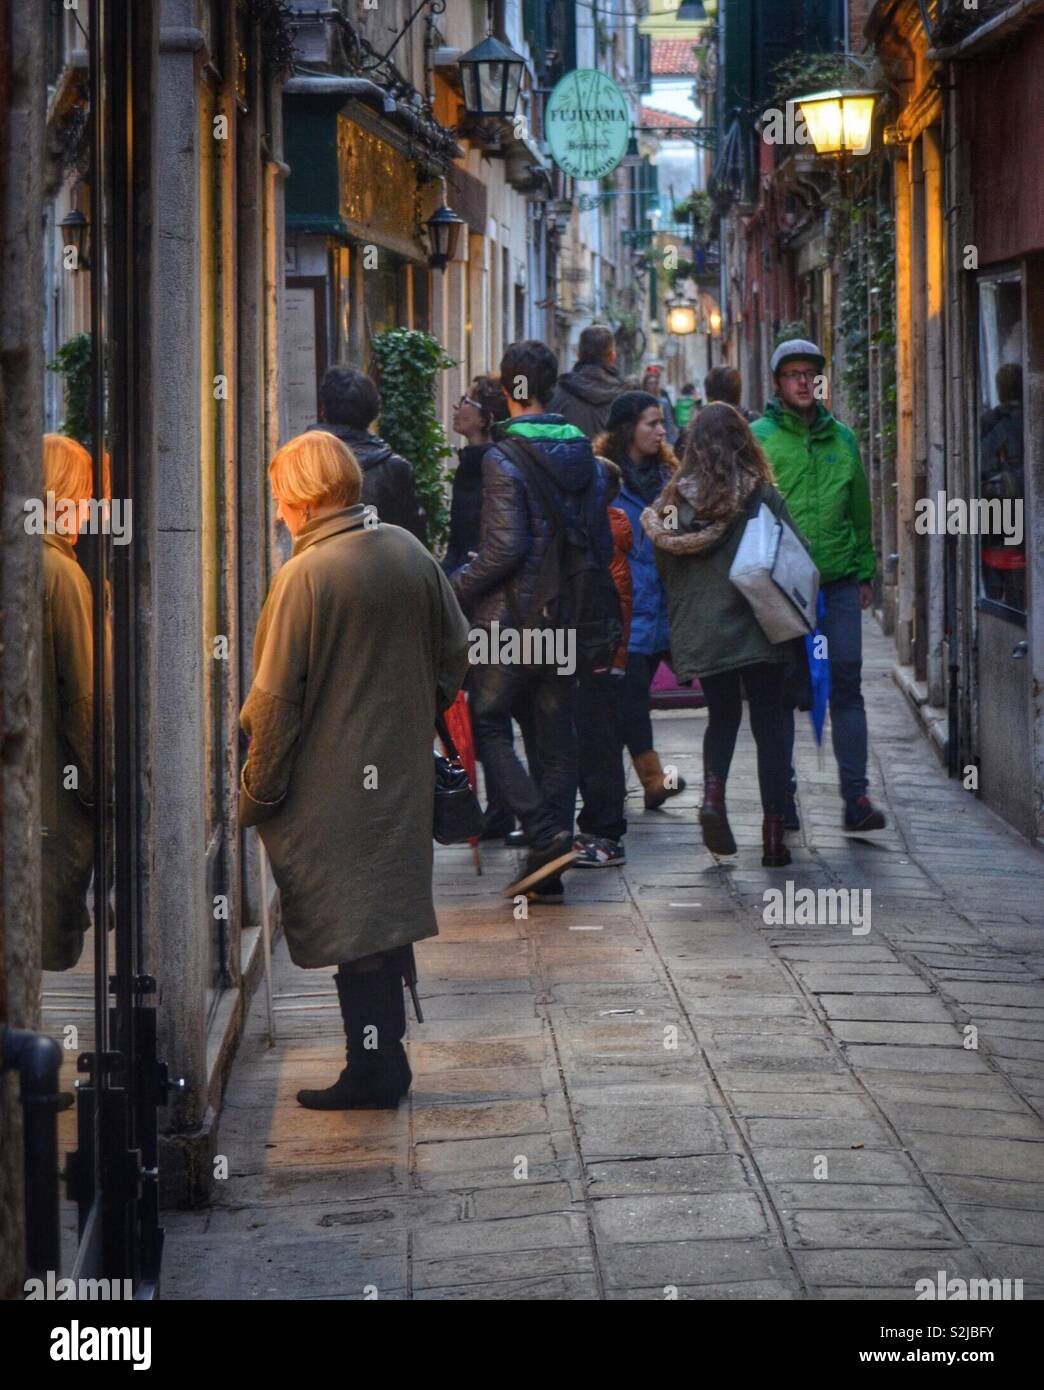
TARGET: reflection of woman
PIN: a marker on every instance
(359, 643)
(636, 442)
(66, 753)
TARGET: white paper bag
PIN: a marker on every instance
(775, 573)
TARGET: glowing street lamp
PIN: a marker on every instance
(681, 317)
(840, 122)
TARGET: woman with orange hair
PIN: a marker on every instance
(67, 676)
(359, 645)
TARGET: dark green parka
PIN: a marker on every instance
(713, 627)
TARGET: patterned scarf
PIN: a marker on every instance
(666, 535)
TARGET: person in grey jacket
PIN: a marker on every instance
(349, 403)
(696, 526)
(584, 395)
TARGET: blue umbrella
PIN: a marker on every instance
(819, 672)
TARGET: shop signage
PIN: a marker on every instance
(587, 124)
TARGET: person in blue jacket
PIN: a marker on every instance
(636, 441)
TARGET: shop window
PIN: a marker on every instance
(999, 508)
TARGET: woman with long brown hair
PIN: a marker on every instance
(696, 527)
(636, 441)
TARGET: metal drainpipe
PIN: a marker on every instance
(37, 1059)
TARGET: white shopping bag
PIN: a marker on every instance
(775, 573)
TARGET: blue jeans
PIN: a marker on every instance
(843, 629)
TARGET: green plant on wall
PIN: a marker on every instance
(407, 364)
(868, 262)
(73, 363)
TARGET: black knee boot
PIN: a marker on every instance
(376, 1075)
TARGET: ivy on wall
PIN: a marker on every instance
(407, 364)
(868, 264)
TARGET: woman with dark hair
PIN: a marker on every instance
(474, 416)
(696, 527)
(636, 442)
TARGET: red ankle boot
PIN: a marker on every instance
(717, 834)
(775, 854)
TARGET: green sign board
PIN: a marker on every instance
(587, 124)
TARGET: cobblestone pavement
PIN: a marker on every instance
(650, 1089)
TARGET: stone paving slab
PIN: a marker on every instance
(650, 1092)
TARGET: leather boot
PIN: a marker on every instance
(374, 1076)
(650, 774)
(714, 822)
(775, 854)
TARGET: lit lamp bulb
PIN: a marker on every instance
(839, 122)
(681, 319)
(714, 319)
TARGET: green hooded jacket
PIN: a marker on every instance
(819, 472)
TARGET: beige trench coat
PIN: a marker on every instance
(359, 643)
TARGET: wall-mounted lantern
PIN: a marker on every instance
(840, 122)
(74, 227)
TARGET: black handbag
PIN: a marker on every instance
(458, 815)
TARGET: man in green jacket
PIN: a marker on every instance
(818, 470)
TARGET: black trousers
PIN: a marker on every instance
(543, 798)
(763, 685)
(603, 784)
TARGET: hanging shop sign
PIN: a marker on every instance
(587, 123)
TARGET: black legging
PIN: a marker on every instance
(763, 684)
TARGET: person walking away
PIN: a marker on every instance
(349, 402)
(474, 417)
(818, 470)
(603, 786)
(584, 395)
(635, 442)
(687, 404)
(653, 383)
(359, 645)
(722, 481)
(726, 384)
(497, 589)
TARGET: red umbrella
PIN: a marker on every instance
(458, 726)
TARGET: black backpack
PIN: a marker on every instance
(574, 589)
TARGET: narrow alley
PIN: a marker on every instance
(821, 1129)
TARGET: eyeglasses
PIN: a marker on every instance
(466, 400)
(798, 376)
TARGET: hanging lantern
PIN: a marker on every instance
(492, 76)
(444, 231)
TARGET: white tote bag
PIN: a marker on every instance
(775, 574)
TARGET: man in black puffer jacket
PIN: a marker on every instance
(349, 402)
(496, 589)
